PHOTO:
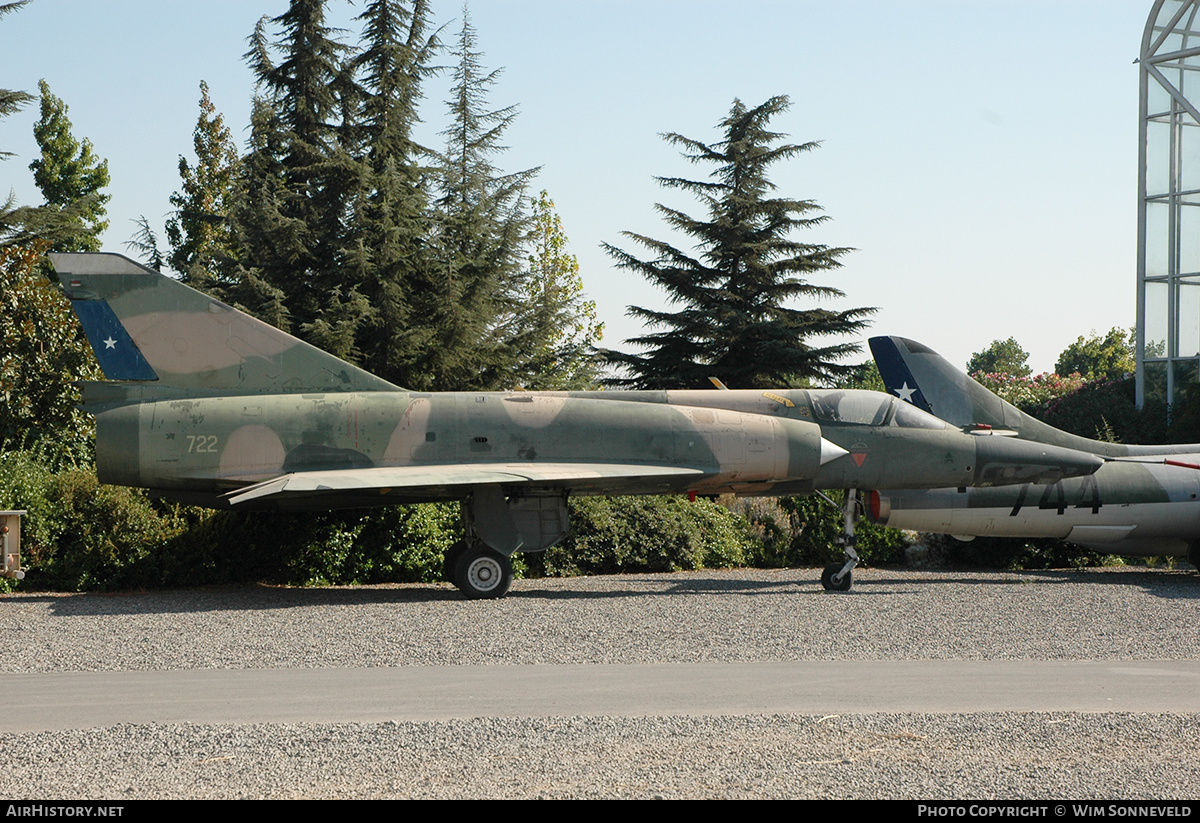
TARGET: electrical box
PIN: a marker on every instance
(10, 542)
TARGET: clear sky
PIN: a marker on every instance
(981, 157)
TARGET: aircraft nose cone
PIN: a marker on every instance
(830, 451)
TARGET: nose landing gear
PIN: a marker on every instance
(837, 576)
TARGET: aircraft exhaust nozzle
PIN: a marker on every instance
(1006, 461)
(879, 507)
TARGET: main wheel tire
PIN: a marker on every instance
(482, 573)
(830, 584)
(450, 563)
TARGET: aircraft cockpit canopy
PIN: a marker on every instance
(868, 408)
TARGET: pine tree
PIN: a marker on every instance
(269, 244)
(735, 323)
(298, 174)
(69, 174)
(471, 295)
(386, 251)
(395, 59)
(199, 230)
(11, 101)
(144, 243)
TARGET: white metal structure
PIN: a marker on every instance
(1168, 319)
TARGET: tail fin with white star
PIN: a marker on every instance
(156, 335)
(921, 376)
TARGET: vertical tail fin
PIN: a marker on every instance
(921, 376)
(924, 378)
(145, 326)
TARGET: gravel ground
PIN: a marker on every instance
(1110, 614)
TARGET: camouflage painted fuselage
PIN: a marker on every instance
(744, 442)
(213, 445)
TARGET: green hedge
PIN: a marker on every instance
(611, 535)
(81, 535)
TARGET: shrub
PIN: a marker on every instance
(81, 535)
(612, 535)
(107, 536)
(1028, 393)
(804, 531)
(26, 484)
(399, 544)
(1017, 553)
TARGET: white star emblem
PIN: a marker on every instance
(110, 343)
(905, 393)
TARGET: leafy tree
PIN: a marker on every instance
(560, 328)
(736, 323)
(471, 296)
(42, 354)
(1100, 358)
(199, 231)
(1001, 357)
(69, 174)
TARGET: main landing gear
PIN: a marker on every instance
(496, 526)
(479, 571)
(837, 576)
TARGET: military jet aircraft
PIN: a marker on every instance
(1145, 500)
(210, 406)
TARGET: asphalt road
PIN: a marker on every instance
(81, 700)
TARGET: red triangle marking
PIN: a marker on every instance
(859, 458)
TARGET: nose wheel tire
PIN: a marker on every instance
(482, 573)
(832, 585)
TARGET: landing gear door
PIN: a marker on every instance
(528, 524)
